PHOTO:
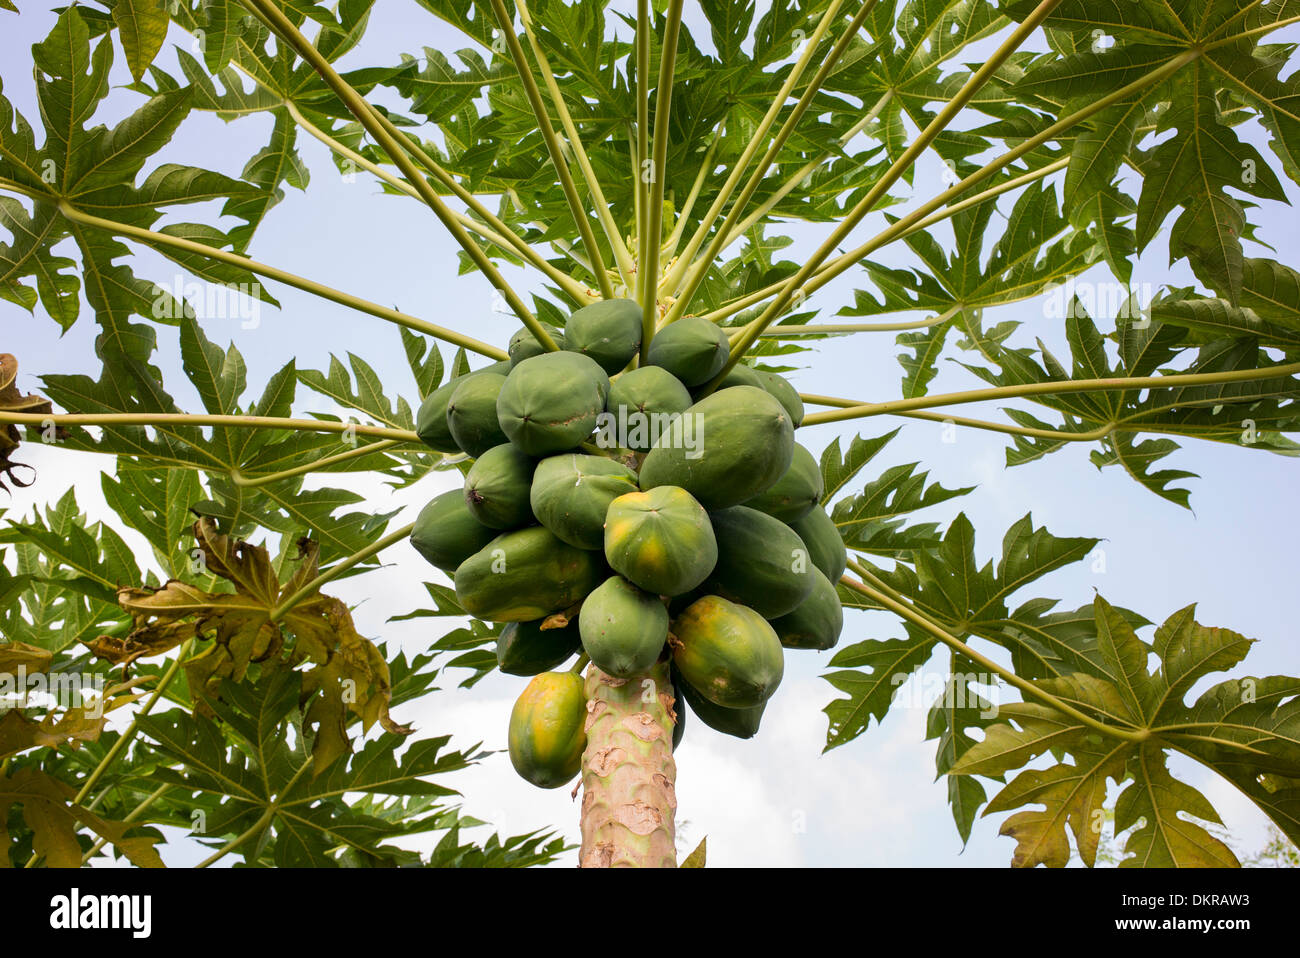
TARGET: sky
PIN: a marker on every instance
(776, 799)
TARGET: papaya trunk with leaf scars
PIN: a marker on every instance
(628, 772)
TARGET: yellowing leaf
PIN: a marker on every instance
(142, 28)
(49, 812)
(11, 400)
(248, 626)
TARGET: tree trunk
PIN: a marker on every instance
(628, 800)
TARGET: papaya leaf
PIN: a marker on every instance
(347, 676)
(696, 859)
(74, 568)
(1036, 250)
(1247, 729)
(48, 810)
(142, 28)
(253, 775)
(887, 663)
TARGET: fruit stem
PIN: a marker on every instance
(581, 664)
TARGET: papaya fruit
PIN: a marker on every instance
(740, 723)
(524, 575)
(472, 413)
(816, 622)
(796, 493)
(781, 390)
(623, 628)
(742, 375)
(725, 449)
(524, 345)
(762, 562)
(497, 487)
(571, 493)
(660, 540)
(525, 648)
(825, 545)
(549, 403)
(641, 406)
(609, 332)
(547, 730)
(446, 533)
(431, 419)
(692, 349)
(727, 652)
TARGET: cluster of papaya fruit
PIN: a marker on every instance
(626, 515)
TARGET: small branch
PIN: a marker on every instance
(706, 168)
(642, 155)
(337, 569)
(243, 482)
(499, 233)
(747, 155)
(1051, 388)
(652, 241)
(784, 332)
(366, 116)
(622, 256)
(553, 148)
(699, 269)
(1090, 436)
(877, 192)
(806, 170)
(909, 612)
(152, 238)
(198, 419)
(913, 220)
(836, 266)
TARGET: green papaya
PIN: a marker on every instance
(525, 648)
(609, 332)
(642, 405)
(472, 413)
(525, 575)
(571, 493)
(623, 628)
(797, 492)
(692, 349)
(825, 545)
(728, 653)
(762, 562)
(816, 622)
(784, 393)
(549, 403)
(660, 540)
(431, 420)
(497, 487)
(728, 447)
(548, 730)
(524, 345)
(446, 533)
(742, 375)
(740, 723)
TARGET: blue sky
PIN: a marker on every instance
(775, 799)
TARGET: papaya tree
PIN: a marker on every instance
(640, 526)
